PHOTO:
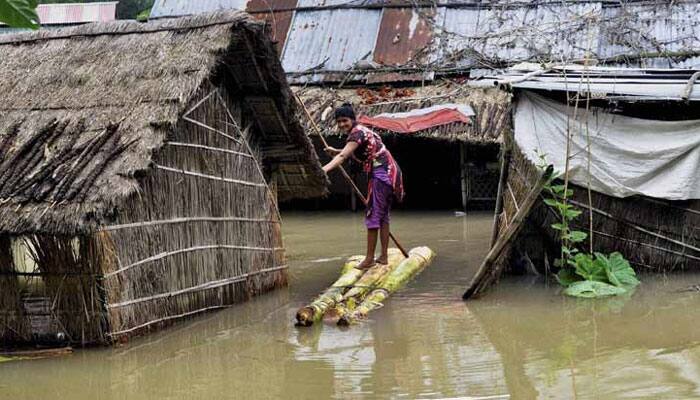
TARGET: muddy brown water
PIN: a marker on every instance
(521, 341)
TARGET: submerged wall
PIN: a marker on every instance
(51, 290)
(653, 234)
(204, 233)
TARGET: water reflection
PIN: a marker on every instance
(524, 340)
(645, 346)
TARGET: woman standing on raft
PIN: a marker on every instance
(385, 181)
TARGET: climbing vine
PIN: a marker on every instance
(583, 274)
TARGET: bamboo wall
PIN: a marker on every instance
(203, 234)
(51, 290)
(13, 326)
(653, 234)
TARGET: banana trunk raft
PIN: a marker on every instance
(366, 288)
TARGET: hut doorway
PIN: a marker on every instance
(51, 293)
(438, 175)
(445, 137)
(446, 175)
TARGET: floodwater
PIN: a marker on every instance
(523, 340)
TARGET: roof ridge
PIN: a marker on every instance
(129, 27)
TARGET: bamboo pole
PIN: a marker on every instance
(373, 277)
(343, 171)
(485, 274)
(464, 176)
(505, 163)
(314, 311)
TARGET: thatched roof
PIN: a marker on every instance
(108, 95)
(491, 106)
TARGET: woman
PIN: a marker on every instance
(384, 175)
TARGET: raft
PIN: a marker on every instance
(368, 289)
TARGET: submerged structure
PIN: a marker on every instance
(446, 138)
(140, 169)
(630, 141)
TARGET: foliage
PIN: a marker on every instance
(584, 274)
(19, 13)
(598, 276)
(130, 9)
(593, 289)
(618, 270)
(143, 15)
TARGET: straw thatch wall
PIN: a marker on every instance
(139, 175)
(488, 126)
(173, 261)
(653, 234)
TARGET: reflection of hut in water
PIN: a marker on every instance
(446, 163)
(643, 131)
(139, 174)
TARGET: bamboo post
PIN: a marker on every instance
(505, 161)
(464, 176)
(343, 171)
(486, 273)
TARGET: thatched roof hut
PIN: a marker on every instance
(140, 169)
(629, 140)
(461, 155)
(132, 81)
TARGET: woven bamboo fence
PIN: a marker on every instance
(654, 235)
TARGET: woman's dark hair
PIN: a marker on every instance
(345, 111)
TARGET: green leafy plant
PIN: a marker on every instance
(19, 13)
(598, 276)
(592, 289)
(583, 274)
(144, 15)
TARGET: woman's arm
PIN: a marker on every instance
(340, 158)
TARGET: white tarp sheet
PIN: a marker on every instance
(629, 155)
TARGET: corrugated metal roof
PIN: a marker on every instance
(326, 3)
(333, 40)
(279, 21)
(676, 26)
(518, 33)
(602, 82)
(332, 36)
(179, 8)
(403, 34)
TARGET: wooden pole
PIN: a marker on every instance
(487, 272)
(343, 171)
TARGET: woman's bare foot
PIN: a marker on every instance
(384, 260)
(367, 263)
